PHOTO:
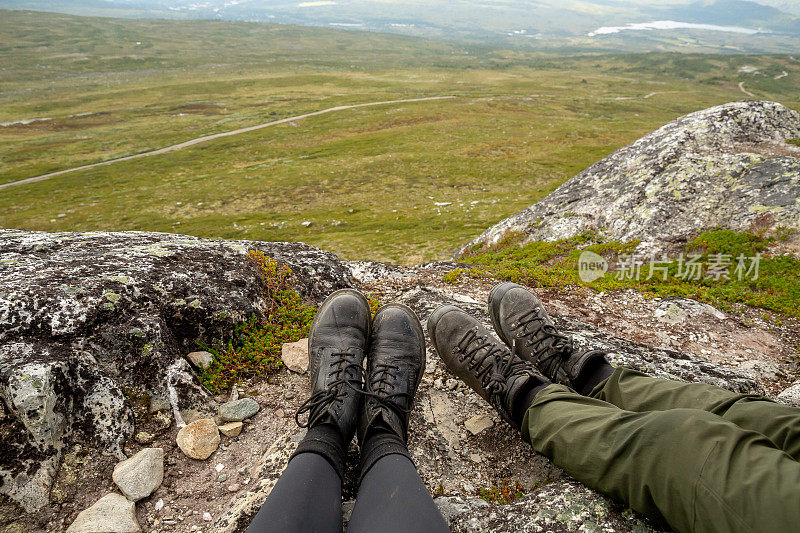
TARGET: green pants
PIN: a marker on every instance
(695, 456)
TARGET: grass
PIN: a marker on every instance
(403, 183)
(255, 347)
(555, 264)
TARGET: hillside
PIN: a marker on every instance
(404, 183)
(724, 26)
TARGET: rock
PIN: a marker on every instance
(766, 370)
(159, 505)
(295, 355)
(140, 475)
(199, 439)
(233, 487)
(110, 514)
(720, 167)
(791, 395)
(88, 315)
(201, 360)
(238, 410)
(478, 423)
(207, 517)
(557, 506)
(222, 478)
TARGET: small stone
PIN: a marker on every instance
(475, 457)
(139, 476)
(478, 424)
(279, 413)
(238, 410)
(438, 384)
(233, 487)
(242, 471)
(306, 223)
(201, 360)
(199, 439)
(220, 467)
(452, 384)
(295, 356)
(222, 478)
(159, 505)
(113, 513)
(231, 429)
(207, 517)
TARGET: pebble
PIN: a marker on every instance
(231, 429)
(159, 505)
(139, 476)
(478, 424)
(234, 487)
(207, 517)
(201, 360)
(222, 478)
(295, 356)
(238, 410)
(279, 413)
(220, 467)
(199, 439)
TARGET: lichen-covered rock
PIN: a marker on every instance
(724, 166)
(91, 320)
(560, 506)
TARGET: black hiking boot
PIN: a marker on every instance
(483, 363)
(336, 346)
(394, 369)
(522, 322)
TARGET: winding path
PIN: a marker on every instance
(206, 138)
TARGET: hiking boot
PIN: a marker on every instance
(522, 322)
(395, 365)
(483, 363)
(336, 346)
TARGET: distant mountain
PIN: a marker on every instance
(539, 23)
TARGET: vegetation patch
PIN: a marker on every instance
(721, 267)
(795, 142)
(503, 491)
(254, 349)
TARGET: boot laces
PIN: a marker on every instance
(334, 394)
(551, 347)
(491, 363)
(378, 385)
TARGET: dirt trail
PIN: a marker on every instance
(745, 91)
(206, 138)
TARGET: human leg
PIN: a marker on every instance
(391, 495)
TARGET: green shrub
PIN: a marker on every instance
(255, 347)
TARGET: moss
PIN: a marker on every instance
(254, 348)
(795, 142)
(555, 264)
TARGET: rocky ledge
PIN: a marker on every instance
(726, 166)
(91, 323)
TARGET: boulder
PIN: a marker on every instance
(726, 166)
(199, 439)
(91, 321)
(140, 475)
(110, 514)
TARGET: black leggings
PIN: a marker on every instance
(308, 497)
